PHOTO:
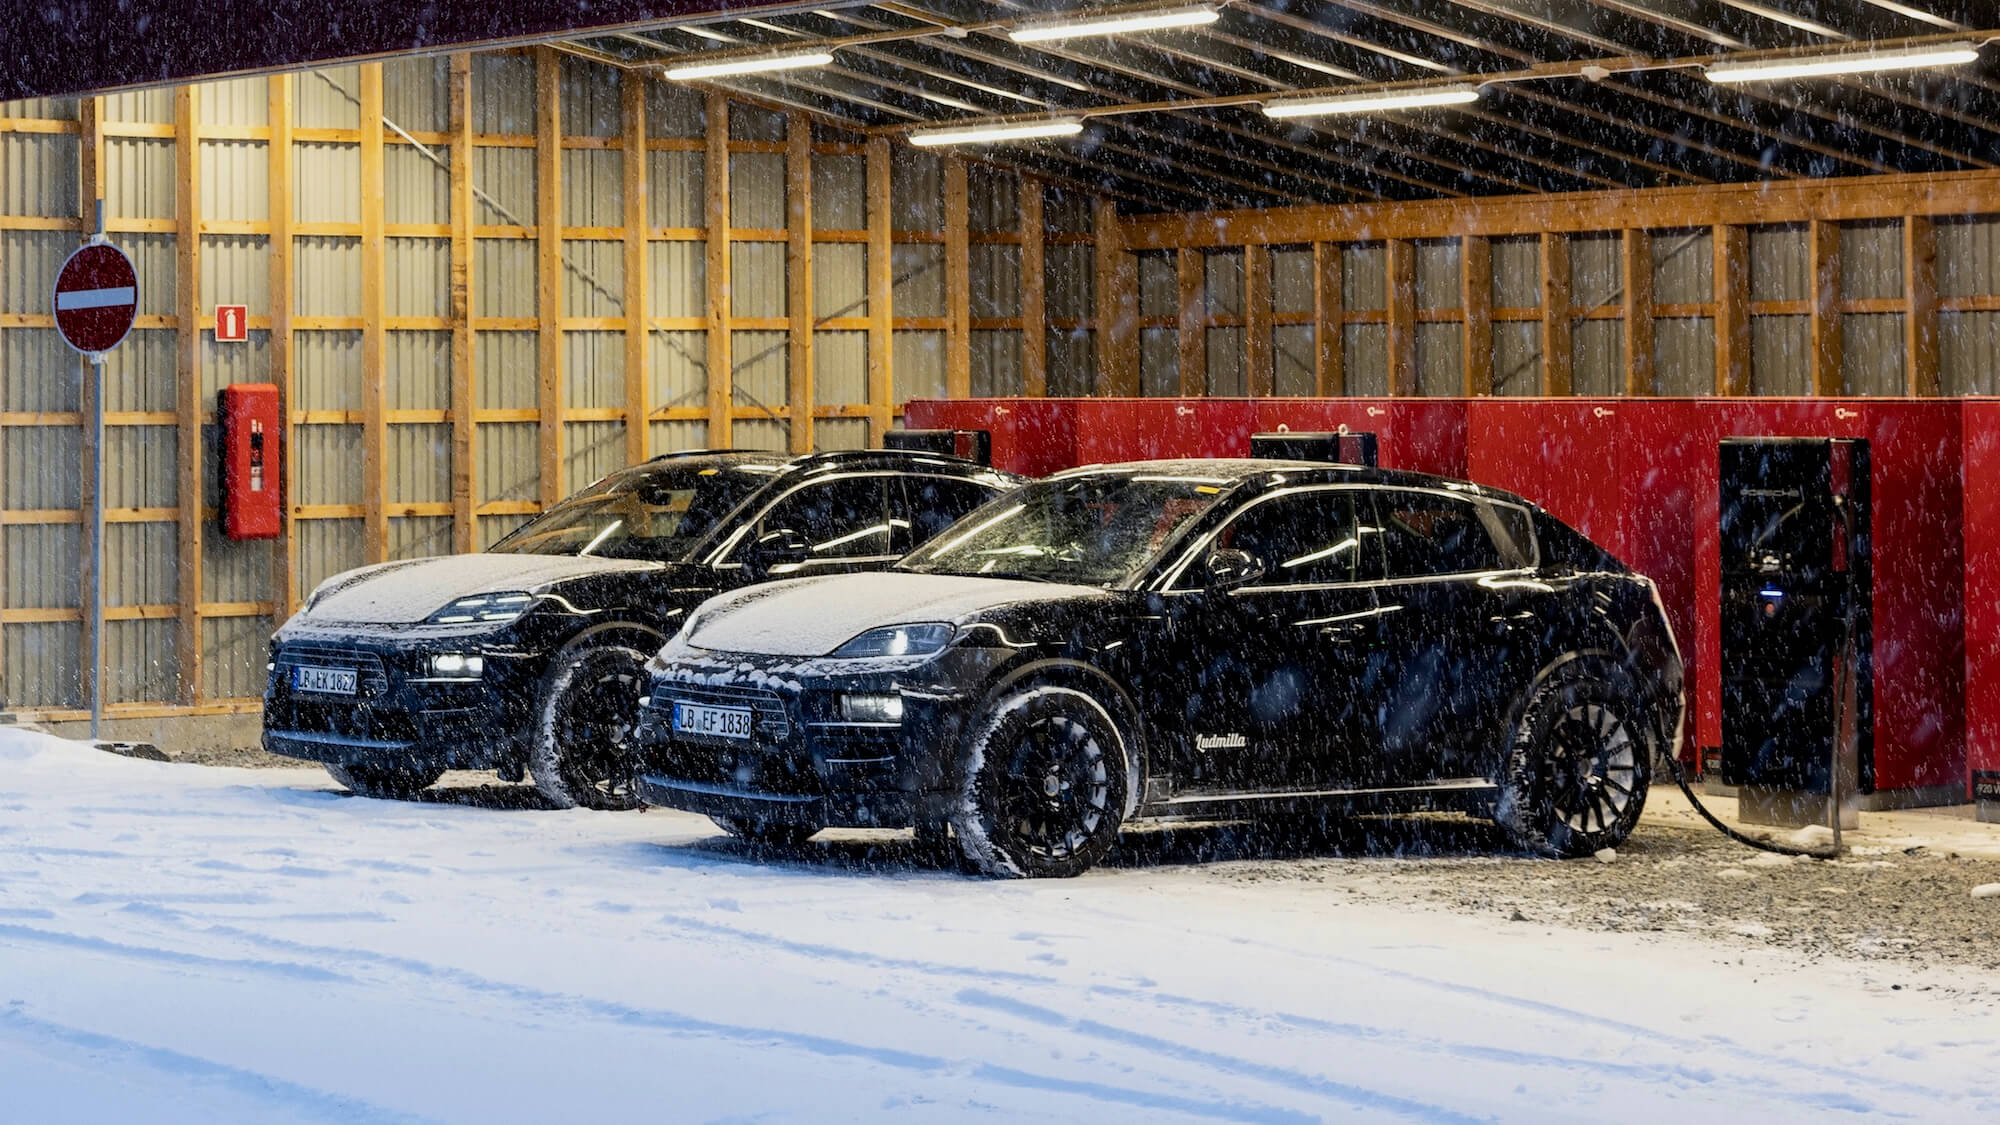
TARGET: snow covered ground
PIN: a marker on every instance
(180, 943)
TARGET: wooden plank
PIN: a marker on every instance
(464, 215)
(1475, 257)
(957, 283)
(1732, 309)
(715, 220)
(1260, 374)
(374, 307)
(1823, 270)
(1557, 352)
(1034, 300)
(881, 294)
(1400, 255)
(1329, 329)
(1638, 302)
(1190, 323)
(1116, 274)
(1920, 323)
(188, 404)
(638, 378)
(798, 280)
(279, 158)
(549, 270)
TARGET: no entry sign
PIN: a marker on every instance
(96, 296)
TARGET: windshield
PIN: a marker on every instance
(1090, 530)
(643, 513)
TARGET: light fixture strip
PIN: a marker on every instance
(989, 134)
(749, 64)
(1851, 62)
(1159, 19)
(1371, 102)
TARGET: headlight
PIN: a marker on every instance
(897, 640)
(487, 608)
(884, 707)
(457, 666)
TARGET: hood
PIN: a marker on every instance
(405, 593)
(814, 616)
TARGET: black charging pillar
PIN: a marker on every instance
(1796, 593)
(1345, 447)
(973, 445)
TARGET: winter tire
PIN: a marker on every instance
(1046, 775)
(389, 782)
(1579, 764)
(581, 755)
(766, 833)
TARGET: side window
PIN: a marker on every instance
(1302, 538)
(840, 519)
(1426, 533)
(931, 504)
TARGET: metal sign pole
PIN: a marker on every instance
(97, 545)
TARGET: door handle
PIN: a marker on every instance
(1344, 631)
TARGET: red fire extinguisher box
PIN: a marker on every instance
(252, 496)
(1031, 436)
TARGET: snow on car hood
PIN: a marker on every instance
(404, 593)
(814, 616)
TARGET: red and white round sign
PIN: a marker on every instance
(96, 297)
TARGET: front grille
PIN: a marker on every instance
(771, 761)
(773, 722)
(371, 680)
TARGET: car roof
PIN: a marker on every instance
(847, 460)
(1268, 472)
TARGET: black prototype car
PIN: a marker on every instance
(528, 657)
(1177, 640)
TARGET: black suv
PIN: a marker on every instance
(529, 657)
(1172, 640)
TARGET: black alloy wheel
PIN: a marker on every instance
(582, 752)
(1580, 767)
(1047, 794)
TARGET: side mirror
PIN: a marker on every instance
(777, 550)
(1226, 568)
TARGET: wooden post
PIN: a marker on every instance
(1034, 301)
(1475, 255)
(1190, 331)
(1920, 322)
(1557, 354)
(1260, 373)
(1732, 309)
(464, 216)
(548, 269)
(1402, 297)
(881, 294)
(1117, 304)
(638, 318)
(957, 283)
(1824, 272)
(90, 197)
(1329, 321)
(1639, 378)
(715, 216)
(374, 306)
(284, 561)
(188, 405)
(798, 280)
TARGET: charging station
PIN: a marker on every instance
(973, 445)
(1341, 447)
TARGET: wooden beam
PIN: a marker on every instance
(957, 283)
(1329, 325)
(464, 216)
(881, 295)
(1475, 256)
(374, 309)
(1557, 352)
(715, 220)
(1638, 252)
(798, 280)
(548, 270)
(1034, 301)
(638, 378)
(1117, 304)
(1823, 271)
(1191, 330)
(188, 405)
(1260, 375)
(1400, 263)
(1920, 323)
(279, 187)
(90, 199)
(1732, 309)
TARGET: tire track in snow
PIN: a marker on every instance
(157, 955)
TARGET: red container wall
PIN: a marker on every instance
(1144, 429)
(1031, 436)
(1981, 419)
(1422, 435)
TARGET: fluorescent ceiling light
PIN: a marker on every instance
(748, 64)
(1156, 20)
(987, 134)
(1371, 103)
(1853, 62)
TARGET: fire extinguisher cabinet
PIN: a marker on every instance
(252, 495)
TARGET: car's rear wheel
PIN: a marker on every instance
(1579, 765)
(766, 833)
(581, 755)
(390, 781)
(1045, 784)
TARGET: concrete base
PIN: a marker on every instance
(1987, 812)
(180, 736)
(1919, 797)
(1781, 808)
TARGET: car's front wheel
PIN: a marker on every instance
(389, 781)
(1045, 784)
(581, 755)
(1579, 764)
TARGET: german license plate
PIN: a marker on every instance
(711, 722)
(324, 681)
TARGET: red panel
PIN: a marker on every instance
(1031, 436)
(1422, 435)
(252, 494)
(1145, 429)
(1982, 583)
(1559, 453)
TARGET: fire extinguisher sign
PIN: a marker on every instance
(232, 324)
